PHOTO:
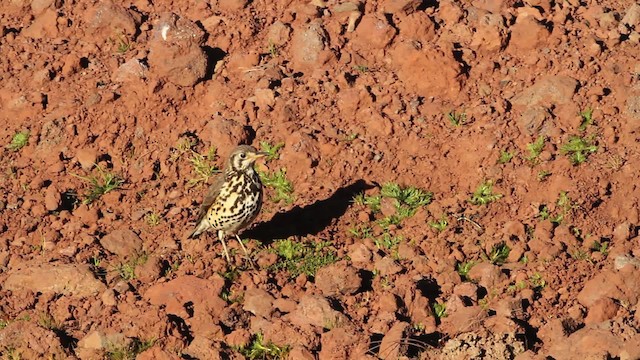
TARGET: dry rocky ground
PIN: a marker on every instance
(458, 179)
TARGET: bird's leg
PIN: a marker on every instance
(246, 253)
(221, 236)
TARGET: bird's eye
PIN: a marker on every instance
(243, 155)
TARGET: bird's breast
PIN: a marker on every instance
(238, 202)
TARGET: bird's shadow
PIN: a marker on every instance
(308, 220)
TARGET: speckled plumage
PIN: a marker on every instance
(234, 199)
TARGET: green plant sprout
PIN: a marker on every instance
(484, 194)
(456, 119)
(578, 149)
(19, 140)
(535, 149)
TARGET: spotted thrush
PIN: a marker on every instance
(234, 199)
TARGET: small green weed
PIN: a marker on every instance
(464, 268)
(505, 156)
(281, 185)
(229, 296)
(258, 349)
(273, 49)
(302, 257)
(387, 241)
(537, 281)
(587, 118)
(373, 202)
(535, 149)
(100, 184)
(419, 327)
(543, 175)
(440, 310)
(564, 205)
(543, 212)
(580, 254)
(173, 267)
(601, 247)
(152, 219)
(484, 194)
(184, 145)
(3, 324)
(361, 68)
(204, 166)
(392, 220)
(130, 351)
(578, 149)
(362, 232)
(456, 119)
(231, 274)
(499, 254)
(19, 140)
(96, 261)
(127, 270)
(440, 225)
(273, 151)
(122, 44)
(47, 321)
(410, 196)
(349, 138)
(407, 201)
(615, 162)
(516, 287)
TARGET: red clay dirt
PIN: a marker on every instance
(429, 94)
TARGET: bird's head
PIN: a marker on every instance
(243, 157)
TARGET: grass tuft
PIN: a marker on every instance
(387, 242)
(537, 281)
(484, 194)
(127, 270)
(587, 118)
(273, 151)
(440, 310)
(578, 149)
(440, 225)
(258, 349)
(535, 149)
(100, 184)
(152, 219)
(297, 257)
(464, 268)
(19, 140)
(281, 185)
(601, 247)
(456, 119)
(499, 254)
(130, 351)
(47, 321)
(204, 166)
(505, 157)
(373, 202)
(361, 68)
(273, 49)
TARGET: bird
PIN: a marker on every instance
(234, 199)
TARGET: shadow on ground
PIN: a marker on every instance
(308, 220)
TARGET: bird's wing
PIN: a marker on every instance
(210, 198)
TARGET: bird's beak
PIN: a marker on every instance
(259, 155)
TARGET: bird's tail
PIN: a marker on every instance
(200, 228)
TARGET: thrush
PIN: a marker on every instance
(234, 199)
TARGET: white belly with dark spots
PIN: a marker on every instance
(236, 206)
